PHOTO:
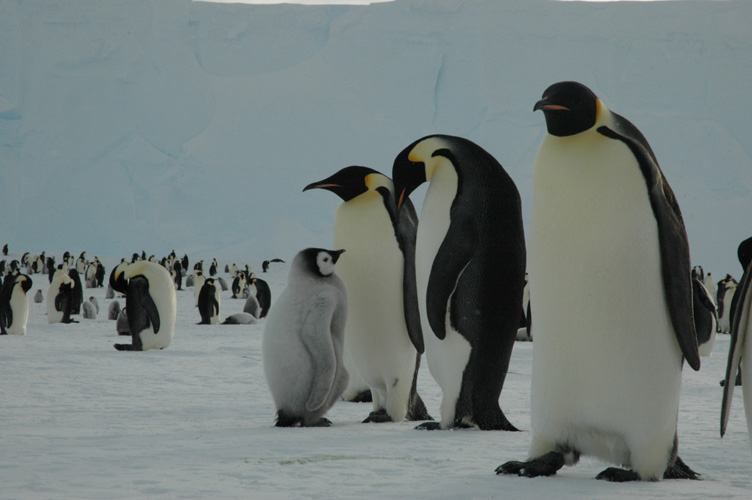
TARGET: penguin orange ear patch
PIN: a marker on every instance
(555, 107)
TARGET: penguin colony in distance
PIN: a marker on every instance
(470, 267)
(151, 304)
(608, 353)
(14, 304)
(303, 340)
(383, 338)
(740, 348)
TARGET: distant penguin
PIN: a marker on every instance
(5, 249)
(303, 338)
(726, 290)
(51, 268)
(113, 310)
(222, 283)
(264, 296)
(710, 285)
(189, 281)
(89, 310)
(60, 297)
(706, 321)
(38, 297)
(213, 268)
(14, 304)
(470, 268)
(94, 301)
(238, 284)
(110, 293)
(184, 263)
(151, 304)
(266, 264)
(177, 267)
(383, 332)
(608, 352)
(208, 303)
(241, 318)
(100, 274)
(740, 348)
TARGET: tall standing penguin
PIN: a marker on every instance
(607, 353)
(14, 304)
(470, 268)
(151, 303)
(208, 302)
(303, 338)
(740, 348)
(383, 338)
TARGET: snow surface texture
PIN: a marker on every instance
(130, 124)
(196, 420)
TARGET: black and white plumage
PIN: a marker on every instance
(470, 266)
(303, 339)
(607, 353)
(14, 304)
(209, 302)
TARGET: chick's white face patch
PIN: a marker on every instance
(325, 263)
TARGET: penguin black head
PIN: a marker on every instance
(319, 261)
(417, 163)
(348, 183)
(569, 107)
(117, 278)
(25, 282)
(744, 252)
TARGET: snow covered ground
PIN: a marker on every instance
(82, 420)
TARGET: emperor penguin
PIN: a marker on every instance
(14, 304)
(383, 337)
(470, 270)
(198, 283)
(740, 348)
(263, 296)
(706, 320)
(208, 302)
(302, 341)
(607, 353)
(60, 297)
(238, 284)
(726, 290)
(38, 296)
(151, 303)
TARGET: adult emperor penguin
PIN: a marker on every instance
(302, 341)
(198, 282)
(383, 331)
(470, 269)
(60, 297)
(608, 352)
(14, 304)
(740, 348)
(150, 301)
(208, 302)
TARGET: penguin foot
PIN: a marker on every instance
(546, 465)
(428, 426)
(378, 417)
(417, 409)
(617, 475)
(124, 347)
(680, 470)
(284, 419)
(363, 397)
(323, 422)
(498, 423)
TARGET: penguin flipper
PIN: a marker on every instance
(740, 331)
(406, 237)
(148, 314)
(672, 237)
(317, 339)
(454, 254)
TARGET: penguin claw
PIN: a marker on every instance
(378, 417)
(428, 426)
(616, 475)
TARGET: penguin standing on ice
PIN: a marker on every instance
(383, 338)
(607, 353)
(302, 341)
(208, 302)
(14, 304)
(151, 303)
(740, 348)
(470, 263)
(60, 297)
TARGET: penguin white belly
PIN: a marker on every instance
(19, 303)
(163, 294)
(446, 358)
(376, 337)
(724, 316)
(606, 363)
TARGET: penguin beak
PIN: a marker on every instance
(546, 105)
(401, 199)
(319, 185)
(336, 254)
